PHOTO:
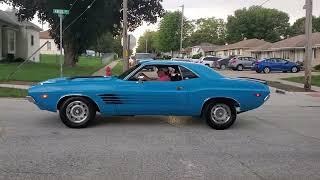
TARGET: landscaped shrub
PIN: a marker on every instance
(197, 56)
(317, 67)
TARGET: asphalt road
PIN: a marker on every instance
(279, 141)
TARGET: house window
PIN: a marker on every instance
(11, 39)
(49, 46)
(32, 40)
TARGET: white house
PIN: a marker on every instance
(51, 47)
(18, 39)
(240, 48)
(204, 49)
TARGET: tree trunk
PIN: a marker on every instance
(70, 55)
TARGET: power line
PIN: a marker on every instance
(265, 2)
(73, 4)
(80, 15)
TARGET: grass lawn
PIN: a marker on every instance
(315, 80)
(49, 68)
(118, 69)
(10, 92)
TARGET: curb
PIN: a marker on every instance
(279, 91)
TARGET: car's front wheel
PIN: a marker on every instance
(223, 67)
(220, 116)
(77, 112)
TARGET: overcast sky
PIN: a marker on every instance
(195, 9)
(222, 8)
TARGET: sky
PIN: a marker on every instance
(195, 9)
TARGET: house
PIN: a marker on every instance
(292, 48)
(51, 47)
(240, 48)
(204, 49)
(18, 39)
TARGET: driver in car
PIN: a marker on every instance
(163, 75)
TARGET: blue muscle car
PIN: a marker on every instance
(152, 88)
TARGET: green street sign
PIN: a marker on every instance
(61, 11)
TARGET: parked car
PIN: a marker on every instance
(181, 59)
(222, 63)
(193, 90)
(209, 61)
(241, 63)
(140, 57)
(276, 64)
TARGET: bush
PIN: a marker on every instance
(317, 67)
(197, 56)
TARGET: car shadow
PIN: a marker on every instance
(147, 120)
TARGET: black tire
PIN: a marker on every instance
(295, 69)
(240, 67)
(89, 111)
(258, 71)
(223, 67)
(266, 70)
(223, 125)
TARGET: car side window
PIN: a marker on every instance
(187, 74)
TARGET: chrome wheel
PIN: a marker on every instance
(77, 112)
(294, 69)
(266, 70)
(240, 68)
(221, 113)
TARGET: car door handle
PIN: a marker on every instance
(179, 88)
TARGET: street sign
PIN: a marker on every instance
(61, 11)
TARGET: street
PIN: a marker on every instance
(281, 140)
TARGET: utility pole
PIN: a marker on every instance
(125, 36)
(308, 53)
(182, 24)
(146, 45)
(61, 37)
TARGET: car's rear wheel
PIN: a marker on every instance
(223, 67)
(77, 112)
(266, 70)
(220, 115)
(240, 67)
(294, 69)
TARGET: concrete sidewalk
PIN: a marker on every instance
(102, 71)
(15, 86)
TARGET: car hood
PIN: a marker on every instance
(78, 79)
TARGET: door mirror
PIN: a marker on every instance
(140, 79)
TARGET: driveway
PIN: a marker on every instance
(281, 140)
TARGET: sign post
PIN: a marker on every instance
(61, 13)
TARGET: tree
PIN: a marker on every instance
(169, 33)
(298, 27)
(104, 43)
(148, 37)
(100, 16)
(257, 22)
(209, 30)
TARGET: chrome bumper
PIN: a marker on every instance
(30, 99)
(267, 98)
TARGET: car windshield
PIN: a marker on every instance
(125, 74)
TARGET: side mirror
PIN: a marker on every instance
(140, 79)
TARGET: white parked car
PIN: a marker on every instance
(209, 61)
